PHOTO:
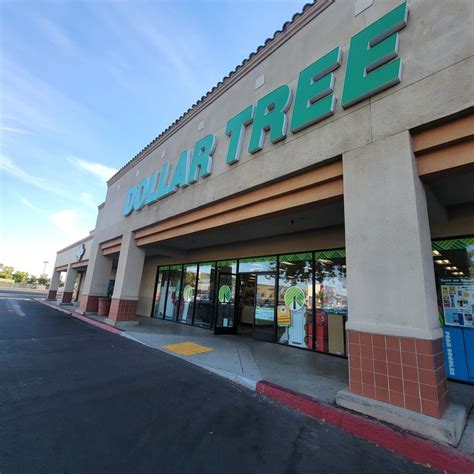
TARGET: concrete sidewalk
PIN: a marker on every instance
(249, 361)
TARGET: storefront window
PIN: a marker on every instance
(188, 294)
(205, 295)
(304, 304)
(257, 264)
(227, 266)
(160, 294)
(331, 301)
(173, 294)
(295, 300)
(453, 261)
(454, 270)
(264, 323)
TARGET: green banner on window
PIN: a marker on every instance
(453, 244)
(326, 254)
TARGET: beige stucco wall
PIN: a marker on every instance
(436, 49)
(68, 254)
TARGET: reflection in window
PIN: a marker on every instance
(188, 293)
(227, 266)
(173, 295)
(295, 300)
(205, 295)
(257, 264)
(226, 300)
(160, 295)
(331, 301)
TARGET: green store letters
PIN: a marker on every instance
(372, 66)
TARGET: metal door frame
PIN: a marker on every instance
(218, 330)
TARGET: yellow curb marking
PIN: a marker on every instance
(187, 348)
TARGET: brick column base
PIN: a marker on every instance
(88, 303)
(52, 295)
(402, 371)
(123, 310)
(67, 297)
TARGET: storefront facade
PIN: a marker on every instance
(71, 261)
(298, 299)
(305, 199)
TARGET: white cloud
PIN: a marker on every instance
(69, 222)
(104, 173)
(28, 204)
(30, 258)
(7, 165)
(150, 34)
(55, 35)
(55, 232)
(37, 105)
(14, 130)
(88, 200)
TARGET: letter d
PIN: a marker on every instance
(128, 207)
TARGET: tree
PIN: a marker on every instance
(43, 280)
(20, 277)
(6, 272)
(32, 280)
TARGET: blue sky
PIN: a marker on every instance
(85, 85)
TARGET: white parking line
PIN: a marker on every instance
(16, 307)
(14, 298)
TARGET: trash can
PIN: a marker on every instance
(103, 307)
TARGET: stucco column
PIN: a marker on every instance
(54, 285)
(395, 346)
(96, 279)
(127, 281)
(71, 275)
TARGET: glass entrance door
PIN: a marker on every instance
(246, 303)
(225, 313)
(264, 319)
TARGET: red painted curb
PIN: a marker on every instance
(85, 319)
(431, 454)
(98, 324)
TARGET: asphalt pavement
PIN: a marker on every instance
(22, 293)
(76, 399)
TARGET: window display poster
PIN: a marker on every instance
(283, 316)
(264, 313)
(458, 301)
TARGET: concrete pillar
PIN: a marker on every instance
(395, 345)
(54, 285)
(123, 307)
(71, 275)
(96, 280)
